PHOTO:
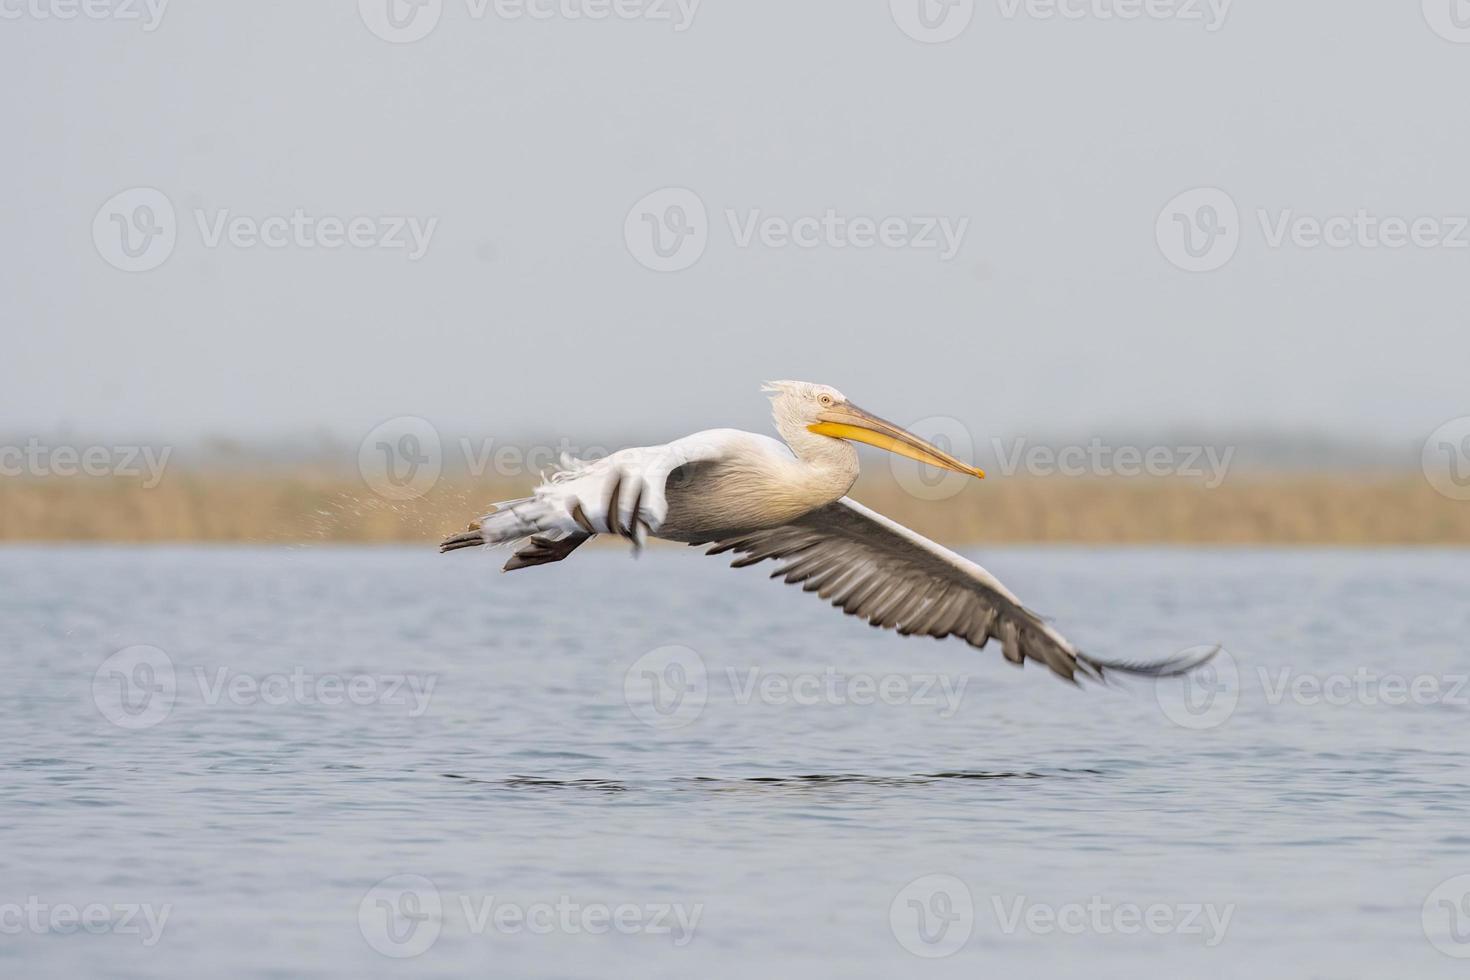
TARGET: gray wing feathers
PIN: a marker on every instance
(868, 566)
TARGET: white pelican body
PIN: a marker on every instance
(759, 498)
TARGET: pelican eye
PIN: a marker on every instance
(825, 400)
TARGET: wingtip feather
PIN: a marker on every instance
(1169, 667)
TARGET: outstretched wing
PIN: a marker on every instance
(872, 567)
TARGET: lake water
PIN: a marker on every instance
(349, 762)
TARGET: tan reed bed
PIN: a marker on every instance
(318, 506)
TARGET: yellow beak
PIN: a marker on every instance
(847, 421)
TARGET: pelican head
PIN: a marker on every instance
(821, 409)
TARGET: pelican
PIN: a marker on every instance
(760, 499)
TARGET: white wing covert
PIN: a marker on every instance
(623, 494)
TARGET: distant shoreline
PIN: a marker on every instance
(295, 507)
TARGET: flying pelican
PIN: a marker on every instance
(758, 498)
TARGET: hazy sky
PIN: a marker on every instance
(1049, 146)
